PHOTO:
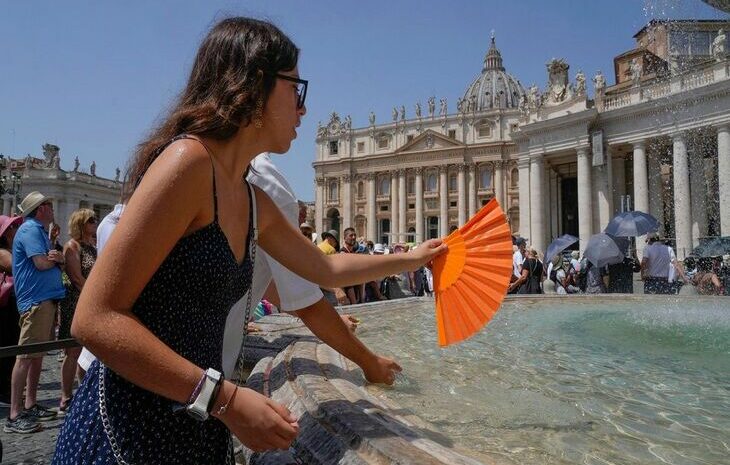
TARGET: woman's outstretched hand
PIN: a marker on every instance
(427, 251)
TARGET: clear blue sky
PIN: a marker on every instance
(92, 77)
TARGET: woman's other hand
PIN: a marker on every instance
(257, 421)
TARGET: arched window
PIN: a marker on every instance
(333, 191)
(515, 178)
(360, 190)
(384, 186)
(431, 183)
(485, 177)
(484, 129)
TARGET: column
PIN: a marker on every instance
(682, 204)
(618, 183)
(394, 232)
(372, 219)
(402, 203)
(443, 201)
(346, 201)
(552, 206)
(604, 192)
(537, 202)
(698, 192)
(656, 188)
(420, 237)
(461, 186)
(585, 192)
(499, 184)
(723, 176)
(472, 195)
(641, 178)
(523, 164)
(319, 206)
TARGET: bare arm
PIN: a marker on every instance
(43, 262)
(73, 264)
(6, 261)
(278, 238)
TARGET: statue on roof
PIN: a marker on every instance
(533, 96)
(599, 82)
(51, 154)
(76, 163)
(719, 45)
(580, 83)
(395, 114)
(460, 105)
(418, 110)
(558, 88)
(431, 105)
(403, 112)
(92, 168)
(117, 174)
(372, 118)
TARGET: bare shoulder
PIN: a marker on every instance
(72, 244)
(183, 160)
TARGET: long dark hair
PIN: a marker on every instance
(234, 70)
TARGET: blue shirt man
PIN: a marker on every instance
(33, 286)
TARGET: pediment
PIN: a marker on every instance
(429, 140)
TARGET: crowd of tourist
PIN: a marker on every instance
(41, 283)
(659, 270)
(406, 284)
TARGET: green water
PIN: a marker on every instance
(561, 381)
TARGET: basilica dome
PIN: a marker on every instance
(494, 87)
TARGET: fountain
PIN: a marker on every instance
(550, 380)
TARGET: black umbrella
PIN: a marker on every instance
(603, 249)
(558, 245)
(712, 247)
(632, 224)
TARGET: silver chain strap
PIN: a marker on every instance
(116, 450)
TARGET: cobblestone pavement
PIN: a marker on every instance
(36, 448)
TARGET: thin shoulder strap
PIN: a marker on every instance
(252, 213)
(212, 168)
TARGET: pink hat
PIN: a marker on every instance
(6, 221)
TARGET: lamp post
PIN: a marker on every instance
(11, 181)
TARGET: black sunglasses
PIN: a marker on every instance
(301, 87)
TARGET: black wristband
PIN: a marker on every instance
(216, 390)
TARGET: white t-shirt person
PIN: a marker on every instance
(294, 291)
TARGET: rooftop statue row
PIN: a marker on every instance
(51, 160)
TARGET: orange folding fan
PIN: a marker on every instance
(471, 278)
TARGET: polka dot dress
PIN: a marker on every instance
(185, 304)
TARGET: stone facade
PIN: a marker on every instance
(420, 177)
(70, 190)
(559, 162)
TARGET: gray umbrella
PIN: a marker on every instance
(632, 224)
(603, 249)
(712, 247)
(558, 245)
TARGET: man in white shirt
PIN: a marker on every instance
(294, 294)
(518, 257)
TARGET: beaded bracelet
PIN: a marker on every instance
(197, 389)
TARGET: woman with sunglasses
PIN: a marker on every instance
(80, 255)
(154, 307)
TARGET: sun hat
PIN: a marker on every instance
(31, 202)
(305, 225)
(378, 248)
(7, 221)
(331, 233)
